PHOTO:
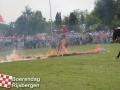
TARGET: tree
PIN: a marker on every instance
(92, 21)
(28, 22)
(72, 21)
(4, 28)
(66, 21)
(104, 10)
(58, 20)
(20, 25)
(37, 18)
(116, 20)
(117, 10)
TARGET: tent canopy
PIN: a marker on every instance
(118, 28)
(1, 19)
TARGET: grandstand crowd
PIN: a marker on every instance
(45, 40)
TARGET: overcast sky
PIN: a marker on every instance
(12, 9)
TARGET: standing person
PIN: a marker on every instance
(63, 32)
(59, 43)
(22, 41)
(53, 44)
(90, 39)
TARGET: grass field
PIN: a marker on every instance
(83, 72)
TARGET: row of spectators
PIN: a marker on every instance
(38, 41)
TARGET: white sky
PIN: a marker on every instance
(12, 9)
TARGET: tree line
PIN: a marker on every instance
(104, 16)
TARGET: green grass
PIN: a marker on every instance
(82, 72)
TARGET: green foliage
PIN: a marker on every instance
(95, 26)
(72, 20)
(44, 27)
(31, 22)
(91, 20)
(66, 21)
(117, 11)
(105, 15)
(105, 10)
(58, 20)
(7, 30)
(77, 28)
(116, 21)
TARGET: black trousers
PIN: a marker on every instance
(118, 55)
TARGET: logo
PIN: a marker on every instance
(5, 80)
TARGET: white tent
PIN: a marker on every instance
(118, 28)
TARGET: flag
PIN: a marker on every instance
(5, 80)
(1, 19)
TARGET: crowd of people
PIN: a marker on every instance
(45, 40)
